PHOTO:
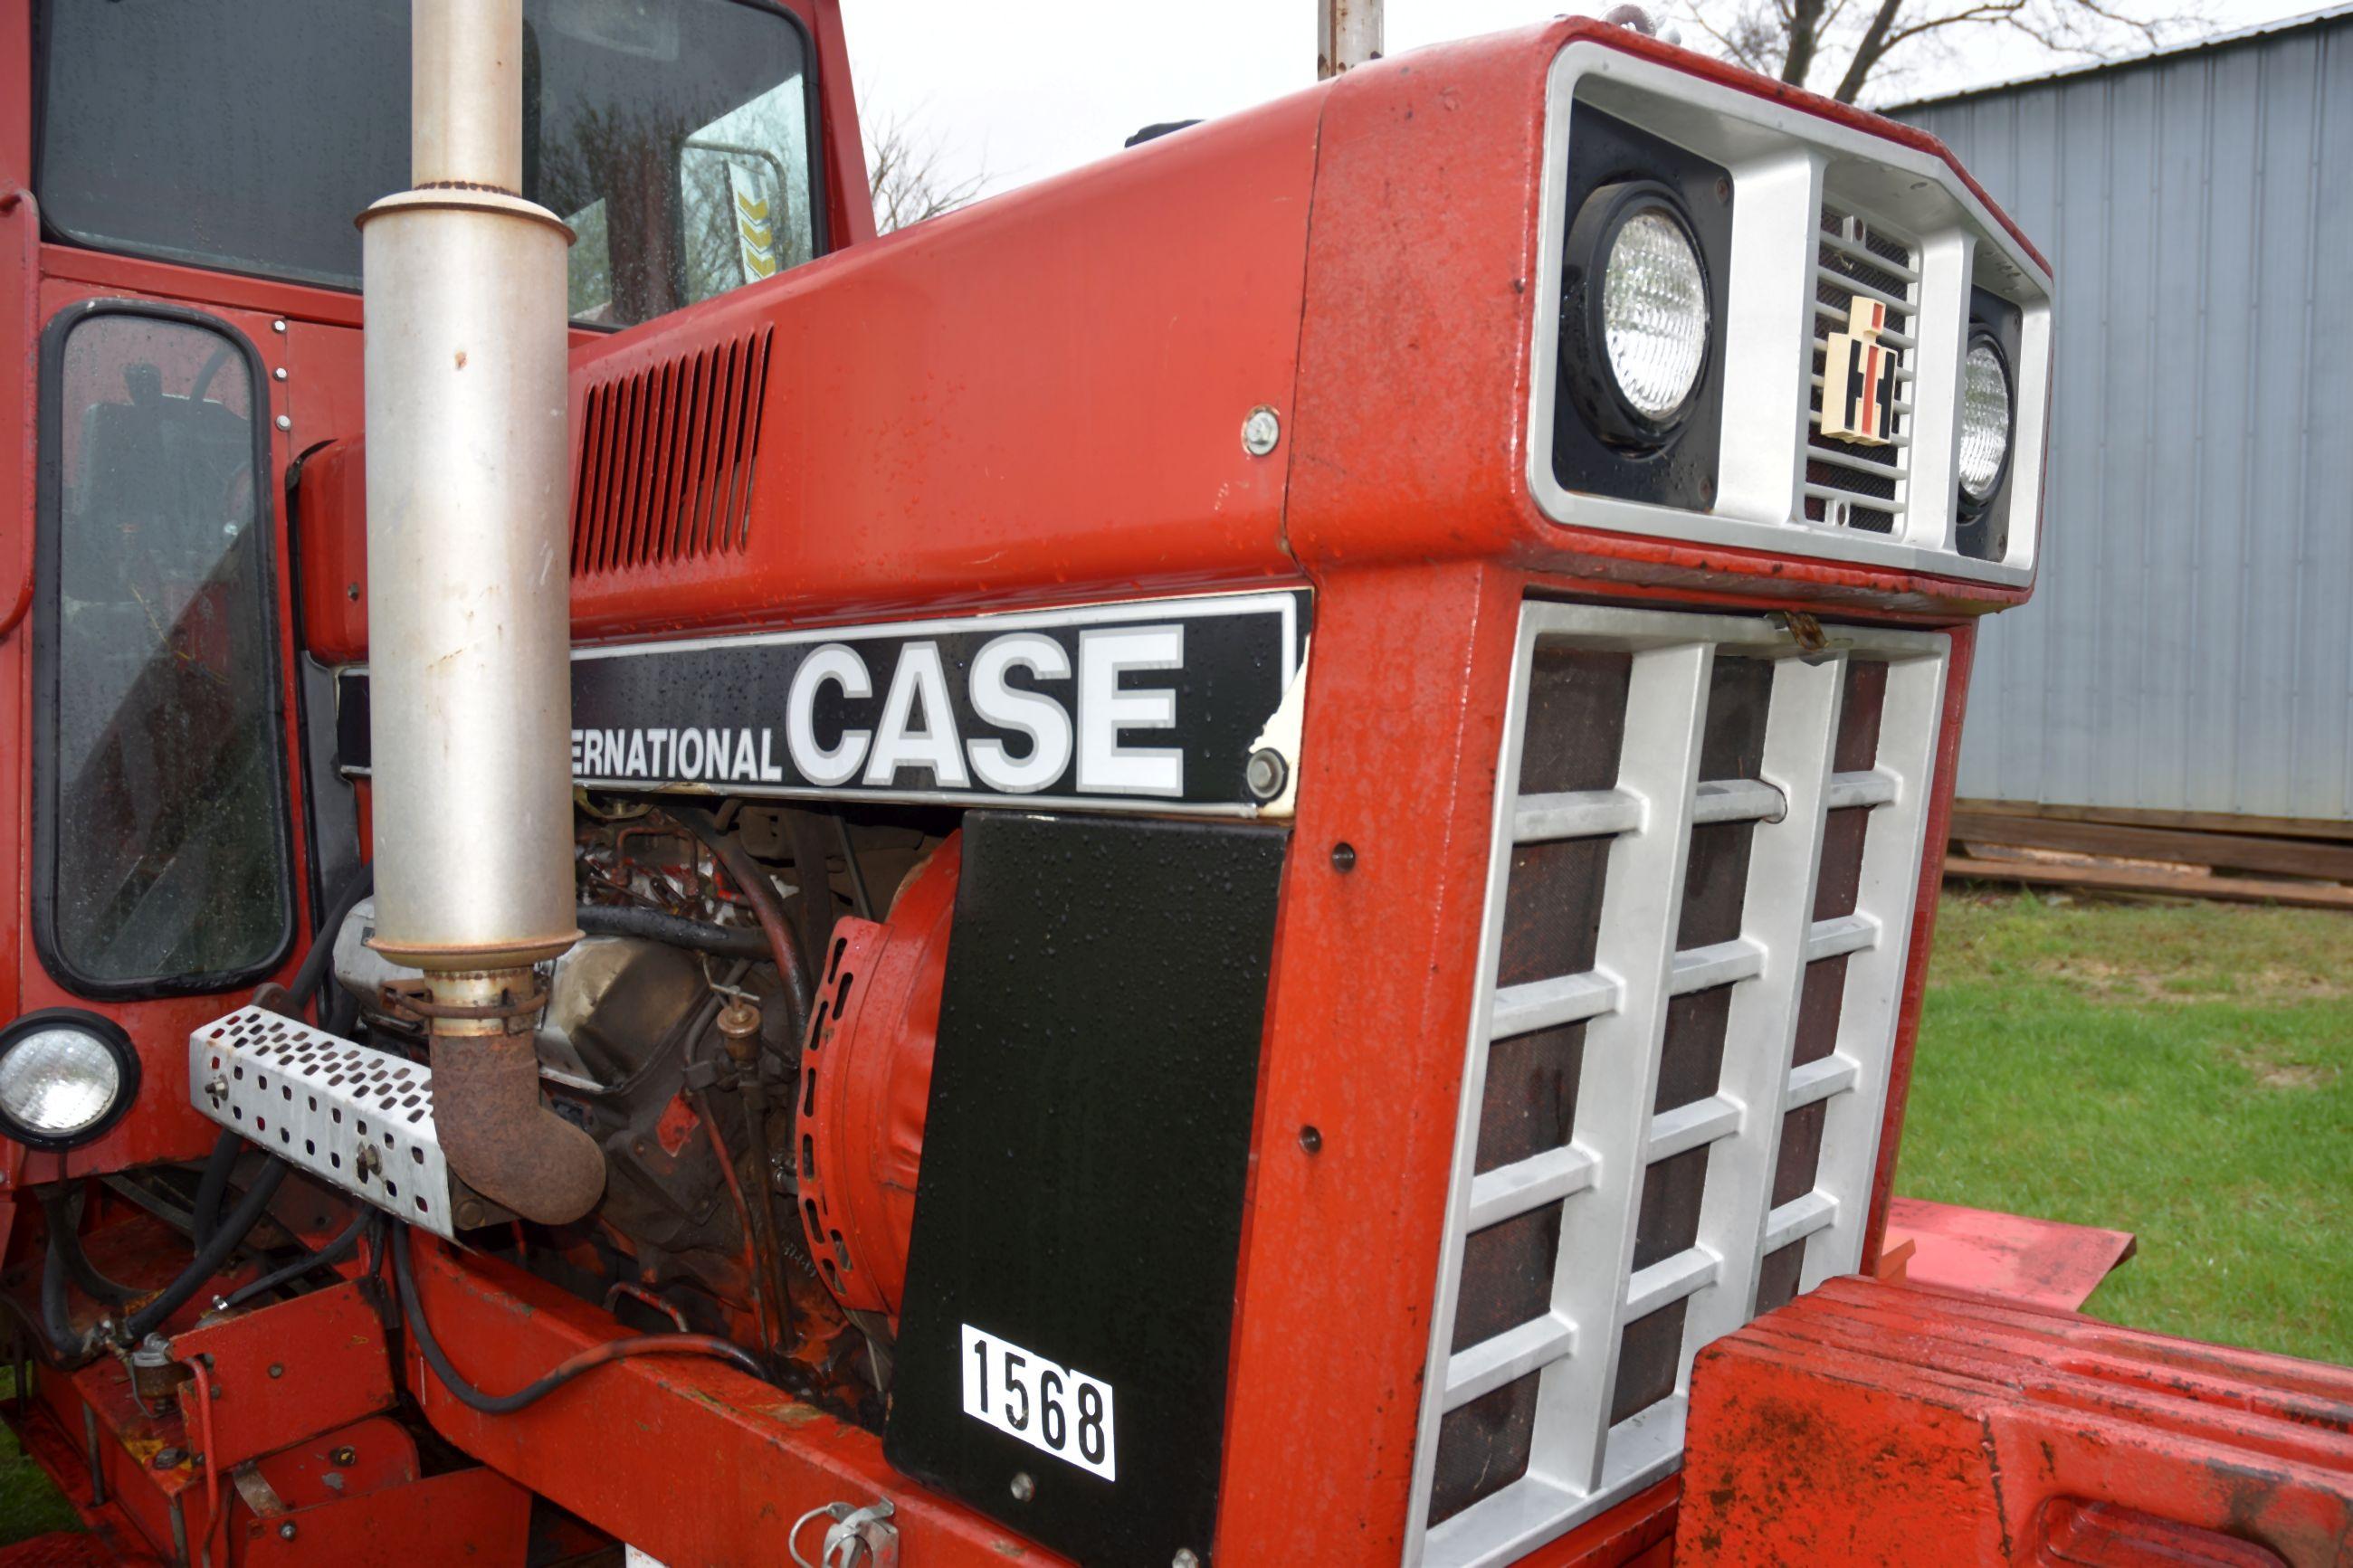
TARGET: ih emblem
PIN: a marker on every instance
(1859, 379)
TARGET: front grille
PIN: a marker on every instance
(1707, 850)
(1850, 484)
(665, 459)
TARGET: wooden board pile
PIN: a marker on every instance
(2293, 862)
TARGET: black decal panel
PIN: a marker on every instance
(1152, 702)
(1071, 1277)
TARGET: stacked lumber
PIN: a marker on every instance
(2294, 861)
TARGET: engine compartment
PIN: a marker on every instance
(674, 1034)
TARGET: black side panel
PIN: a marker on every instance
(1081, 1199)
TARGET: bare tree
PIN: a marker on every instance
(1842, 46)
(905, 176)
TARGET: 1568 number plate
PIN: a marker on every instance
(1066, 1414)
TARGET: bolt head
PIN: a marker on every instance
(277, 374)
(345, 1455)
(1261, 430)
(285, 422)
(277, 1369)
(1344, 858)
(1266, 773)
(1024, 1489)
(286, 1531)
(1183, 1559)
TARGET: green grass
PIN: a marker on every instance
(29, 1505)
(2185, 1073)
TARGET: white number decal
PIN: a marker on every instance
(1063, 1413)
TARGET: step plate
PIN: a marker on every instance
(349, 1114)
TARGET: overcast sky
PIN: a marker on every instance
(1023, 89)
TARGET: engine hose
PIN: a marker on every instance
(334, 1251)
(63, 1211)
(57, 1323)
(307, 979)
(562, 1372)
(206, 1214)
(761, 893)
(210, 1256)
(727, 942)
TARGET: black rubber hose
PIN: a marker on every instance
(56, 1324)
(206, 1214)
(64, 1214)
(540, 1388)
(727, 942)
(334, 1252)
(210, 1256)
(315, 963)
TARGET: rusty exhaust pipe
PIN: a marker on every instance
(469, 613)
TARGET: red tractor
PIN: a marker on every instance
(1220, 862)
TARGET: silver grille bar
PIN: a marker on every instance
(1582, 814)
(1546, 1004)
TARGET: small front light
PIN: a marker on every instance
(1635, 316)
(1654, 313)
(1986, 404)
(66, 1076)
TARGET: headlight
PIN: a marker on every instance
(1642, 290)
(1986, 403)
(1654, 313)
(66, 1076)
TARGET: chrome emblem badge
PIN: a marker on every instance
(1859, 379)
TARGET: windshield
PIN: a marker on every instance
(674, 136)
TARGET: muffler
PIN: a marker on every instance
(468, 607)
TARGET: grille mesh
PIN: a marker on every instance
(665, 459)
(1850, 484)
(1672, 1101)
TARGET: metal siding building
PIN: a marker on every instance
(2190, 647)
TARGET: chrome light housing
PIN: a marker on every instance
(66, 1076)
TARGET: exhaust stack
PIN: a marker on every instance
(468, 610)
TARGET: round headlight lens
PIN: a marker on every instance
(57, 1081)
(66, 1076)
(1654, 313)
(1985, 421)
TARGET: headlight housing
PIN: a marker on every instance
(1989, 405)
(66, 1076)
(1640, 308)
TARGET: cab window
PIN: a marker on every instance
(676, 137)
(162, 838)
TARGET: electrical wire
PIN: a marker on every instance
(562, 1372)
(333, 1253)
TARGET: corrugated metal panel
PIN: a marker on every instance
(2190, 643)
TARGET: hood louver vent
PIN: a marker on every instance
(665, 459)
